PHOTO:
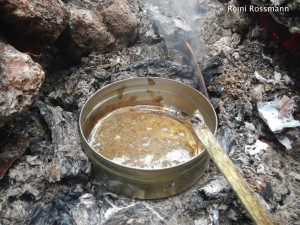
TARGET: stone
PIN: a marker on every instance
(20, 82)
(120, 22)
(33, 25)
(86, 33)
(16, 146)
(97, 27)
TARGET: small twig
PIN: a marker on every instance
(27, 53)
(202, 86)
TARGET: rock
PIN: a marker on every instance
(69, 160)
(120, 22)
(33, 25)
(86, 33)
(20, 81)
(16, 146)
(97, 27)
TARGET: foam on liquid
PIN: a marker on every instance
(148, 137)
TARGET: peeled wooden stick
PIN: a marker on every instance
(234, 177)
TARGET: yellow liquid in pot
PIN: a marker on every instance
(148, 137)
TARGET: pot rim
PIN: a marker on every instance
(136, 168)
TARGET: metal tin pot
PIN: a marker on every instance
(146, 183)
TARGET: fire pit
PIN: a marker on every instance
(148, 108)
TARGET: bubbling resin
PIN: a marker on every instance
(149, 137)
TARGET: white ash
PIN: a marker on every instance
(86, 211)
(256, 148)
(139, 212)
(215, 186)
(213, 211)
(202, 221)
(287, 143)
(269, 112)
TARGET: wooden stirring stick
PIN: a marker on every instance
(234, 177)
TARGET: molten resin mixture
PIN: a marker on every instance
(145, 137)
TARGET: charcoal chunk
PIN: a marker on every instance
(69, 160)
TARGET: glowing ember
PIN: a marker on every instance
(291, 42)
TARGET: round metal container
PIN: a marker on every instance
(136, 182)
